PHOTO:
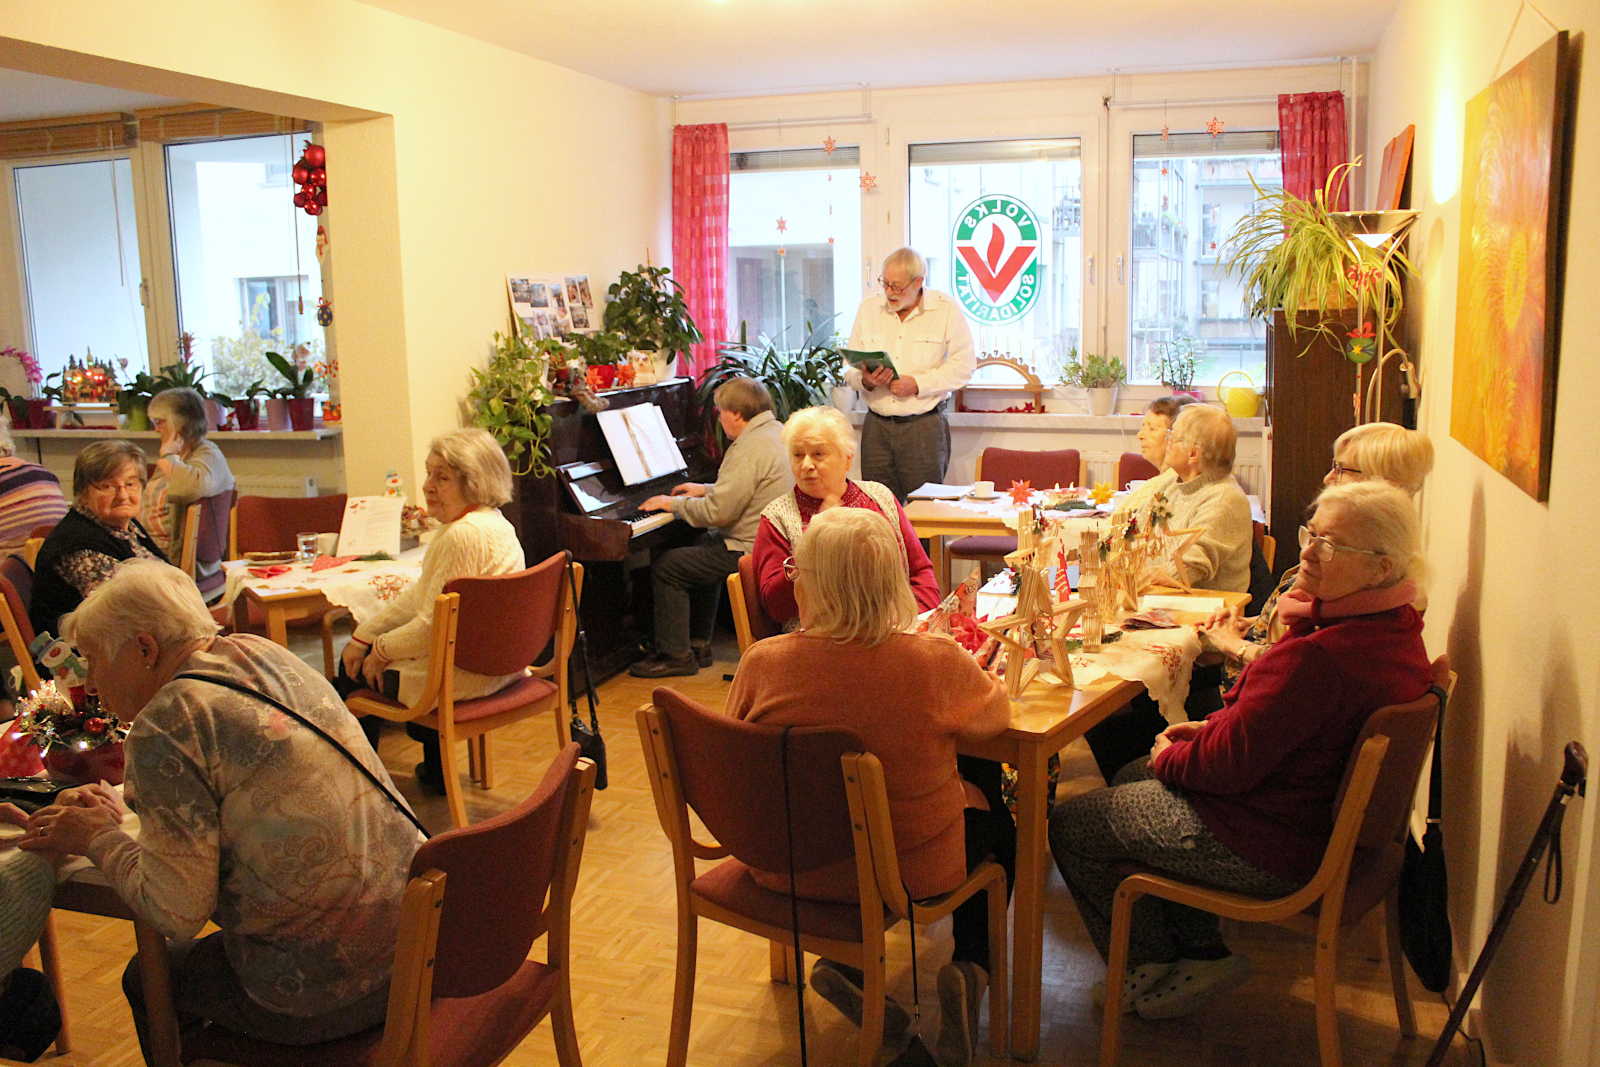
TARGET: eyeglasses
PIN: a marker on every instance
(1339, 470)
(1326, 548)
(132, 488)
(791, 568)
(896, 290)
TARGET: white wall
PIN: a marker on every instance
(1511, 575)
(451, 162)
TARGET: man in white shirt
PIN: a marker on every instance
(905, 440)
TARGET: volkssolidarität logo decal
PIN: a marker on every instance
(996, 258)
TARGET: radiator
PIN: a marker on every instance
(276, 485)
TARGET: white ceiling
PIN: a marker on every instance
(689, 47)
(34, 96)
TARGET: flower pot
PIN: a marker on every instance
(18, 410)
(1102, 401)
(245, 412)
(303, 409)
(277, 413)
(39, 414)
(843, 397)
(606, 374)
(217, 413)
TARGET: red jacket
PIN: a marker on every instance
(1264, 772)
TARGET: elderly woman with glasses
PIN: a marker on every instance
(1244, 801)
(855, 607)
(188, 470)
(821, 445)
(97, 533)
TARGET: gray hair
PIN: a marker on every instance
(1393, 453)
(475, 455)
(1209, 429)
(909, 260)
(142, 596)
(102, 460)
(855, 575)
(820, 424)
(186, 407)
(745, 397)
(1379, 517)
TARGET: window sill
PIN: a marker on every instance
(317, 433)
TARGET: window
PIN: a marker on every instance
(1001, 226)
(243, 255)
(80, 255)
(794, 242)
(1189, 191)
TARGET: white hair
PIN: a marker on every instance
(142, 596)
(1393, 453)
(475, 455)
(821, 424)
(855, 575)
(909, 260)
(1379, 517)
(1209, 429)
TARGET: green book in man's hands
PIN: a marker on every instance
(870, 362)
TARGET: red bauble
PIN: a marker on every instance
(300, 199)
(313, 208)
(315, 155)
(299, 173)
(318, 176)
(322, 197)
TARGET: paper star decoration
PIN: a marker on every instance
(1102, 492)
(782, 224)
(830, 241)
(782, 251)
(1166, 135)
(868, 182)
(1215, 127)
(1021, 492)
(829, 144)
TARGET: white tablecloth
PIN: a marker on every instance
(363, 587)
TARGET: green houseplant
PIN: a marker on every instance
(1176, 365)
(797, 378)
(1100, 375)
(295, 393)
(648, 309)
(509, 399)
(134, 398)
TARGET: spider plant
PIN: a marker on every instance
(797, 378)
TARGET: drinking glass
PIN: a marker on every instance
(307, 543)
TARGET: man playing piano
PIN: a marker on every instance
(688, 581)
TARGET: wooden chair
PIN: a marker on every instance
(463, 992)
(731, 773)
(271, 523)
(43, 531)
(1360, 868)
(750, 620)
(205, 537)
(1002, 466)
(30, 551)
(495, 625)
(1133, 467)
(16, 593)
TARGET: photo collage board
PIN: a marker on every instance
(552, 305)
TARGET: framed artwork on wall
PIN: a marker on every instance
(1508, 295)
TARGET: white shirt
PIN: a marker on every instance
(932, 345)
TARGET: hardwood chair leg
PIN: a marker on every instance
(783, 967)
(1397, 963)
(562, 1027)
(474, 766)
(452, 780)
(563, 731)
(485, 763)
(1116, 967)
(156, 976)
(683, 985)
(872, 988)
(1325, 981)
(50, 964)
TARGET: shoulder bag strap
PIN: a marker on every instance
(228, 683)
(581, 647)
(1435, 786)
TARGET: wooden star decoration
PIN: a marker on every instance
(1177, 542)
(1021, 492)
(782, 224)
(868, 182)
(1103, 492)
(828, 145)
(1215, 127)
(1018, 634)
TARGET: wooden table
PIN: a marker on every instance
(940, 519)
(282, 606)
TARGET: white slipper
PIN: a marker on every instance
(1191, 984)
(1136, 982)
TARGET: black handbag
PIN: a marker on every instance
(591, 745)
(1424, 886)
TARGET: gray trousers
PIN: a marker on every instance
(686, 584)
(206, 989)
(1143, 821)
(904, 455)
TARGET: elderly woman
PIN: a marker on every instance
(96, 534)
(1378, 451)
(1244, 801)
(248, 818)
(468, 479)
(820, 446)
(1200, 448)
(849, 579)
(1159, 416)
(189, 469)
(30, 496)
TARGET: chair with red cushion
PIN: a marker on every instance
(731, 773)
(1003, 466)
(272, 524)
(1133, 467)
(463, 992)
(750, 620)
(16, 593)
(496, 626)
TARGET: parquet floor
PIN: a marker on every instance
(624, 944)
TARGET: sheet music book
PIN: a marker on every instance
(641, 443)
(371, 524)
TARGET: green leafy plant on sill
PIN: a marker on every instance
(603, 349)
(648, 309)
(510, 397)
(1092, 371)
(1292, 254)
(298, 383)
(184, 374)
(1176, 365)
(238, 361)
(797, 378)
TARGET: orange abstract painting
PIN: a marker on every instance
(1503, 403)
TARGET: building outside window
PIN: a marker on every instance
(794, 242)
(1189, 191)
(1001, 226)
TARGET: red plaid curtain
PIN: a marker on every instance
(700, 232)
(1311, 127)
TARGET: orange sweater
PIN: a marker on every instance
(909, 699)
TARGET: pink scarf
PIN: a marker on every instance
(1298, 604)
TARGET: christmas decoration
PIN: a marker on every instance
(782, 224)
(311, 175)
(828, 145)
(322, 241)
(1020, 492)
(1166, 135)
(1215, 127)
(868, 182)
(324, 312)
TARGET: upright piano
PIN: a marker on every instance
(584, 507)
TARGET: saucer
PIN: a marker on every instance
(984, 496)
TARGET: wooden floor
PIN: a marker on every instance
(624, 945)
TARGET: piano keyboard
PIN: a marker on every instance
(651, 520)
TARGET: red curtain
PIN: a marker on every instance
(700, 232)
(1311, 127)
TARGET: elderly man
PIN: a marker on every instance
(906, 438)
(688, 581)
(1200, 450)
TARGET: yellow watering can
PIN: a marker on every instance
(1241, 401)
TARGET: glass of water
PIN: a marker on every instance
(307, 543)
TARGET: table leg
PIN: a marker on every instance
(1027, 938)
(277, 629)
(941, 562)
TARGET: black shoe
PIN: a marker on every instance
(430, 779)
(665, 667)
(702, 654)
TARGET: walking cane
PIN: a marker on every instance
(1574, 777)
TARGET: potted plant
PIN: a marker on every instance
(247, 409)
(604, 351)
(509, 398)
(39, 407)
(18, 402)
(1176, 366)
(1100, 375)
(648, 309)
(133, 400)
(16, 409)
(294, 395)
(797, 378)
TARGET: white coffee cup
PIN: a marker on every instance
(983, 489)
(327, 543)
